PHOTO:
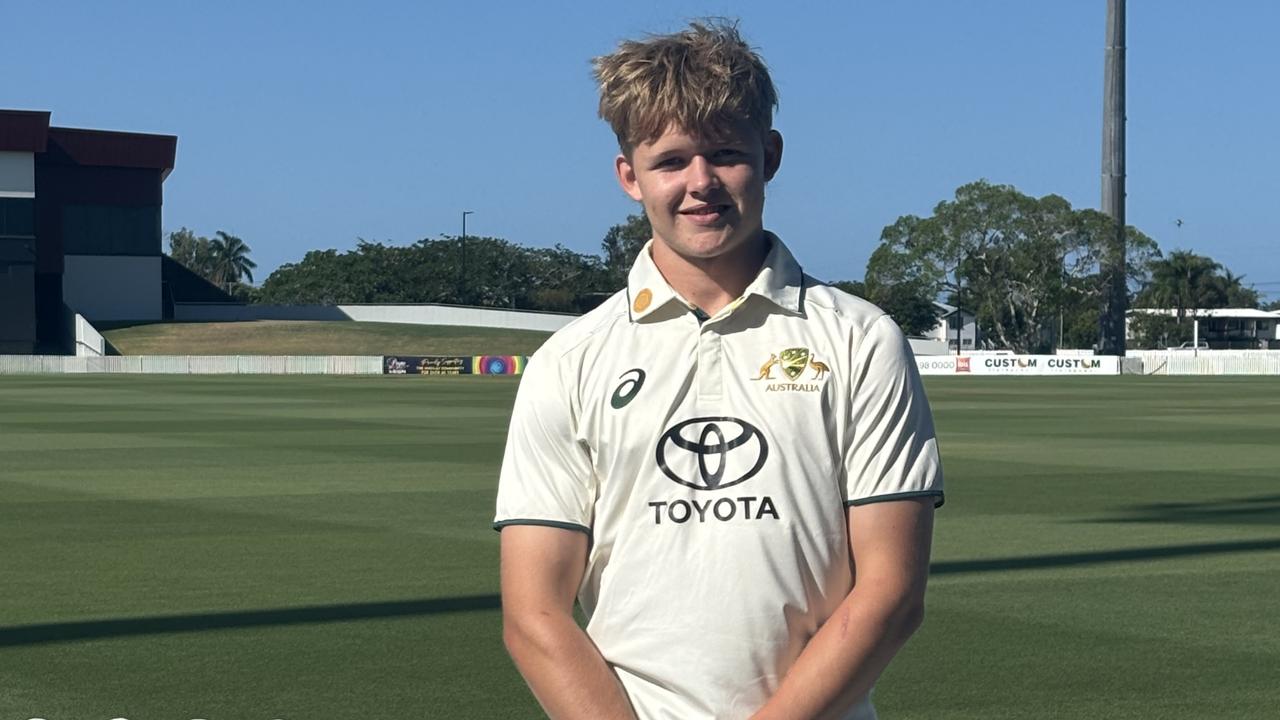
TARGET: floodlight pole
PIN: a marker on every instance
(462, 275)
(1115, 293)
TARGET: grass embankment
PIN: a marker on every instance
(279, 337)
(319, 547)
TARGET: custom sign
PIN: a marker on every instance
(1018, 364)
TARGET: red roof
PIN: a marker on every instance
(29, 131)
(115, 149)
(23, 130)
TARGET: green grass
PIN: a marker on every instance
(281, 337)
(300, 547)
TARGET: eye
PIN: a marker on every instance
(671, 162)
(726, 155)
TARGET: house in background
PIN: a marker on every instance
(1225, 328)
(955, 327)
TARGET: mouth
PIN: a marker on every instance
(706, 212)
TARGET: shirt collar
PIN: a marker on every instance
(779, 281)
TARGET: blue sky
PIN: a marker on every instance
(304, 125)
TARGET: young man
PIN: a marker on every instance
(730, 465)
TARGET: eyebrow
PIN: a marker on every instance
(665, 155)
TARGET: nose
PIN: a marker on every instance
(702, 176)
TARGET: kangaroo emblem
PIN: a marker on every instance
(766, 369)
(819, 368)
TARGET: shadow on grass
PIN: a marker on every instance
(1257, 510)
(126, 627)
(1101, 557)
(49, 633)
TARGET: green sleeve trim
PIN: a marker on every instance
(545, 523)
(899, 496)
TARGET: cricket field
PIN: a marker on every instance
(241, 548)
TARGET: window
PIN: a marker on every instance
(110, 230)
(17, 217)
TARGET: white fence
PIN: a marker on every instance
(408, 314)
(1210, 362)
(194, 364)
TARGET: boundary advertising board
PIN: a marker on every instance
(1018, 365)
(453, 364)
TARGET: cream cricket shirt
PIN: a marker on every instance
(710, 462)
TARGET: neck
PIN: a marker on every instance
(711, 283)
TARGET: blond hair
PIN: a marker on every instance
(702, 80)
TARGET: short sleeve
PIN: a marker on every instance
(546, 476)
(891, 451)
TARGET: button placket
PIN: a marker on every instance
(710, 363)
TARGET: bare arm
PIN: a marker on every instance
(889, 542)
(542, 568)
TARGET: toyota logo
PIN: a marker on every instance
(711, 453)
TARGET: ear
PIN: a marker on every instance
(772, 154)
(627, 177)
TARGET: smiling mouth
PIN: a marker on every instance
(705, 210)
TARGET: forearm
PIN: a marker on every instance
(845, 657)
(564, 669)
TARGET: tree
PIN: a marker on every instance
(230, 260)
(1152, 331)
(498, 274)
(853, 287)
(1234, 292)
(192, 251)
(1084, 266)
(1019, 263)
(910, 306)
(621, 245)
(991, 251)
(1183, 281)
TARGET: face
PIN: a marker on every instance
(704, 197)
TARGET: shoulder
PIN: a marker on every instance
(574, 338)
(844, 311)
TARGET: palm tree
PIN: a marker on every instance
(1233, 292)
(230, 260)
(1183, 281)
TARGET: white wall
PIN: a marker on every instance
(467, 316)
(112, 287)
(17, 174)
(89, 342)
(409, 314)
(928, 347)
(194, 364)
